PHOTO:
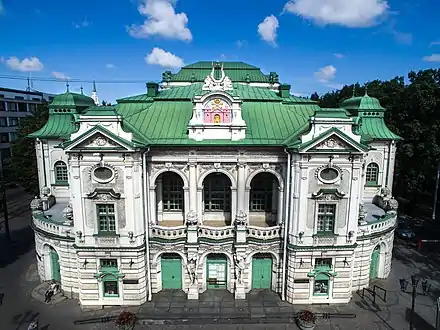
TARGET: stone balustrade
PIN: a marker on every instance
(216, 233)
(264, 233)
(324, 240)
(46, 224)
(168, 233)
(382, 224)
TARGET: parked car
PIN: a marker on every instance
(405, 233)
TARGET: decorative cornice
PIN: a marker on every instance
(103, 191)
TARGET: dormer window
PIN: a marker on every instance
(217, 111)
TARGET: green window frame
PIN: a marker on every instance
(61, 174)
(326, 218)
(172, 192)
(106, 218)
(110, 286)
(109, 265)
(217, 193)
(372, 174)
(261, 193)
(323, 263)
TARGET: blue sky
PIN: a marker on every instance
(315, 45)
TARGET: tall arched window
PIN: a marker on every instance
(372, 174)
(61, 175)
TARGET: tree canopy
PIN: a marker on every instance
(413, 112)
(23, 165)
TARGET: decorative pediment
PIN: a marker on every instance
(217, 80)
(99, 138)
(333, 141)
(328, 194)
(104, 194)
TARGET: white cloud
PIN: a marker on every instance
(163, 58)
(326, 73)
(25, 65)
(432, 58)
(110, 66)
(60, 75)
(338, 55)
(349, 13)
(268, 29)
(162, 20)
(83, 24)
(434, 43)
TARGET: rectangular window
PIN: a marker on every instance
(109, 264)
(323, 263)
(326, 218)
(19, 98)
(172, 193)
(110, 285)
(12, 136)
(12, 106)
(106, 218)
(13, 121)
(321, 287)
(2, 106)
(3, 122)
(22, 107)
(4, 137)
(35, 99)
(32, 107)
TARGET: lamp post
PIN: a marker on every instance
(415, 279)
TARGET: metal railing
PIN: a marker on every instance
(374, 293)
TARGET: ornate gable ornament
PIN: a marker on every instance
(104, 194)
(224, 83)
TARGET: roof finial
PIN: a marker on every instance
(366, 90)
(67, 86)
(354, 90)
(82, 93)
(94, 87)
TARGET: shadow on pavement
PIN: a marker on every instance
(419, 322)
(22, 242)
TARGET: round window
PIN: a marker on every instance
(329, 174)
(103, 174)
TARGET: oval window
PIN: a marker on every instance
(329, 174)
(103, 174)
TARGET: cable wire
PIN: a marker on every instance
(49, 79)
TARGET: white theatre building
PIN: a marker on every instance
(216, 179)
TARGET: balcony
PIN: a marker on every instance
(376, 221)
(52, 221)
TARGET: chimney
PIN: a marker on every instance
(152, 89)
(284, 90)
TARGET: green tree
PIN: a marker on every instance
(23, 165)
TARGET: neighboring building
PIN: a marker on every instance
(218, 180)
(14, 105)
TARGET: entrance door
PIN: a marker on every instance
(55, 265)
(216, 272)
(261, 273)
(171, 272)
(374, 263)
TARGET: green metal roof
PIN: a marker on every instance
(365, 102)
(236, 71)
(72, 101)
(166, 122)
(375, 129)
(58, 126)
(332, 113)
(100, 111)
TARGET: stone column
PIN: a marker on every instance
(280, 206)
(241, 187)
(159, 201)
(192, 264)
(192, 187)
(152, 206)
(240, 255)
(233, 203)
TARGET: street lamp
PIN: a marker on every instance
(415, 279)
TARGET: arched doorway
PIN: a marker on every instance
(171, 269)
(169, 199)
(216, 271)
(262, 271)
(263, 199)
(54, 265)
(217, 199)
(374, 263)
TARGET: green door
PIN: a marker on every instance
(55, 265)
(374, 263)
(261, 273)
(216, 272)
(171, 273)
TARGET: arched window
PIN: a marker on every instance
(61, 175)
(372, 174)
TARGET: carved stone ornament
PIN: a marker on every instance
(393, 204)
(328, 194)
(331, 143)
(191, 218)
(36, 204)
(241, 219)
(45, 191)
(362, 213)
(224, 83)
(385, 192)
(68, 212)
(104, 194)
(100, 141)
